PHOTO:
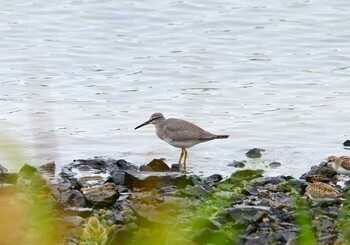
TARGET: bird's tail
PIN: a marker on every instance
(222, 136)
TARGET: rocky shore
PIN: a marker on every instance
(108, 201)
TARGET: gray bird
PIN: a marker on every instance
(179, 133)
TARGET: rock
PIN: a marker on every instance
(183, 181)
(212, 179)
(267, 180)
(74, 220)
(8, 178)
(27, 172)
(66, 173)
(73, 198)
(322, 169)
(275, 165)
(48, 167)
(147, 216)
(145, 180)
(196, 191)
(346, 143)
(101, 195)
(201, 222)
(157, 165)
(317, 178)
(118, 178)
(246, 174)
(242, 215)
(254, 153)
(175, 168)
(3, 169)
(209, 236)
(122, 164)
(237, 164)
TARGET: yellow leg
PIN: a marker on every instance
(185, 158)
(182, 154)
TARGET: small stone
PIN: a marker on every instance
(101, 195)
(195, 191)
(175, 168)
(73, 198)
(237, 164)
(157, 165)
(212, 179)
(275, 165)
(346, 143)
(185, 180)
(48, 167)
(254, 153)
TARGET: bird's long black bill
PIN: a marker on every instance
(143, 124)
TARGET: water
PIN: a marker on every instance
(77, 76)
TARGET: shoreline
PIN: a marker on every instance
(155, 203)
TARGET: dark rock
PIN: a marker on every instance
(73, 198)
(67, 173)
(285, 236)
(8, 178)
(212, 179)
(201, 222)
(185, 180)
(250, 190)
(346, 143)
(268, 180)
(196, 191)
(101, 195)
(237, 164)
(247, 174)
(122, 164)
(157, 165)
(324, 170)
(118, 178)
(27, 172)
(148, 216)
(48, 167)
(175, 168)
(3, 169)
(254, 153)
(145, 180)
(275, 165)
(242, 215)
(209, 236)
(261, 238)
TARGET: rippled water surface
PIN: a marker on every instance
(77, 76)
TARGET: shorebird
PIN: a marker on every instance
(322, 192)
(179, 133)
(340, 164)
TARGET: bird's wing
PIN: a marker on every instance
(180, 130)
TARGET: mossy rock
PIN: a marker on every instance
(247, 174)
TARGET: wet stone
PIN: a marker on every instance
(196, 191)
(212, 179)
(48, 167)
(275, 165)
(268, 180)
(346, 143)
(254, 153)
(73, 198)
(237, 164)
(244, 215)
(185, 180)
(157, 165)
(101, 195)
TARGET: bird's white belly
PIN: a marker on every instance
(181, 144)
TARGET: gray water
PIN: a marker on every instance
(78, 75)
